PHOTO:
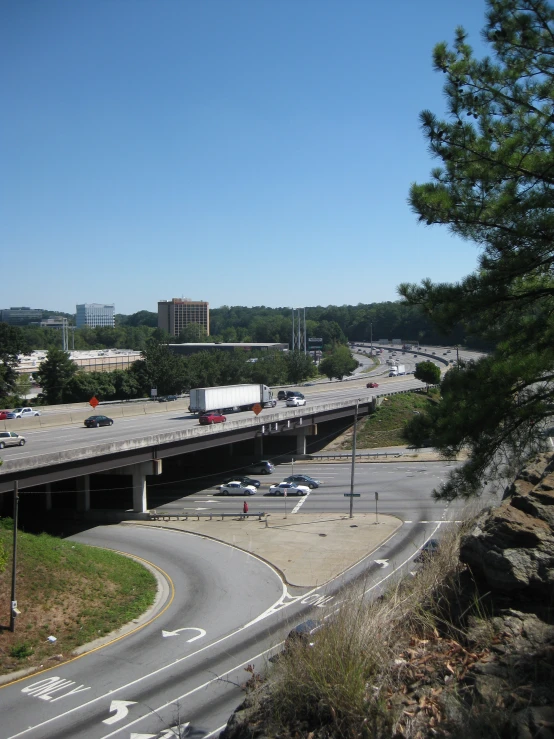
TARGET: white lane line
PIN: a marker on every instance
(300, 503)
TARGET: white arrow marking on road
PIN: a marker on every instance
(143, 736)
(187, 628)
(121, 710)
(383, 562)
(175, 731)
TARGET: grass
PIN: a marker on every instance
(385, 426)
(71, 591)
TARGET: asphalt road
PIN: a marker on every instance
(227, 610)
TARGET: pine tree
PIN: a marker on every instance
(495, 186)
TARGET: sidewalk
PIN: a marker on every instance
(307, 550)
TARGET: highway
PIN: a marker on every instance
(222, 610)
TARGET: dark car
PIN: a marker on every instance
(166, 398)
(242, 478)
(430, 548)
(293, 394)
(95, 421)
(282, 395)
(209, 418)
(372, 384)
(303, 480)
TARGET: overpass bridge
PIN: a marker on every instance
(143, 455)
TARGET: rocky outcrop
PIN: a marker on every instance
(512, 546)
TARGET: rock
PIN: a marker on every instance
(512, 546)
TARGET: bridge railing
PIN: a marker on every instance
(185, 515)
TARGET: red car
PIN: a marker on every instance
(372, 384)
(6, 414)
(209, 418)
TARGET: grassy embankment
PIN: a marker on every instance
(71, 591)
(385, 426)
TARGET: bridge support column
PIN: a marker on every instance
(301, 441)
(139, 472)
(83, 493)
(259, 446)
(48, 496)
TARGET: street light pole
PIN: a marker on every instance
(371, 336)
(353, 460)
(13, 606)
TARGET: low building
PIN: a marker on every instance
(20, 316)
(186, 349)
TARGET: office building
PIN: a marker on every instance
(95, 314)
(20, 316)
(174, 315)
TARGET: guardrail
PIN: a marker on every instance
(185, 515)
(348, 455)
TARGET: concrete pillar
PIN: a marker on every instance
(83, 493)
(301, 441)
(139, 489)
(48, 496)
(259, 446)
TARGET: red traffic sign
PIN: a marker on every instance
(93, 401)
(257, 408)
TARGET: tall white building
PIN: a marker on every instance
(95, 314)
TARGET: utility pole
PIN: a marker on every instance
(292, 347)
(305, 341)
(299, 327)
(353, 460)
(13, 608)
(371, 336)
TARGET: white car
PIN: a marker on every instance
(25, 412)
(294, 401)
(10, 438)
(236, 488)
(289, 488)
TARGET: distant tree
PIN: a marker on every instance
(299, 367)
(159, 368)
(339, 364)
(54, 376)
(428, 372)
(192, 333)
(11, 344)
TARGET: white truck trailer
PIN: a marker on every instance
(397, 369)
(230, 397)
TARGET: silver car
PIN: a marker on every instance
(10, 438)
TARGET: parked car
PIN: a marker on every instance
(260, 468)
(25, 412)
(430, 548)
(236, 488)
(209, 418)
(10, 438)
(244, 479)
(94, 421)
(294, 401)
(289, 488)
(303, 480)
(372, 384)
(6, 414)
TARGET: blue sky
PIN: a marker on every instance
(243, 152)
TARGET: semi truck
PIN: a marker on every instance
(397, 369)
(230, 398)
